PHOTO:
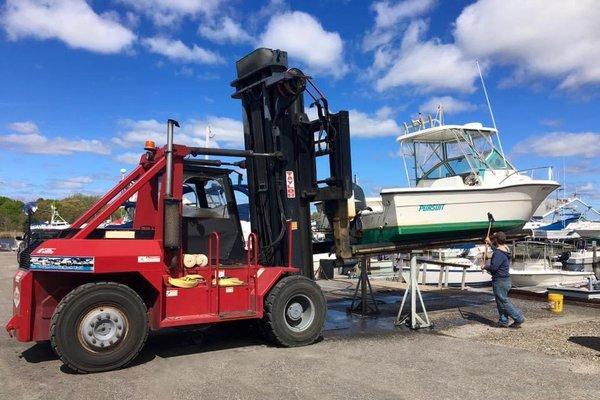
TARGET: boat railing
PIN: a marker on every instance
(421, 123)
(531, 172)
(443, 272)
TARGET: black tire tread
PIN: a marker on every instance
(68, 298)
(268, 327)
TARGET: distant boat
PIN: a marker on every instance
(586, 229)
(537, 264)
(56, 222)
(459, 175)
(563, 219)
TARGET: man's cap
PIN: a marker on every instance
(501, 236)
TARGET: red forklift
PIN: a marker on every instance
(97, 290)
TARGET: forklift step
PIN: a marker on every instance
(238, 314)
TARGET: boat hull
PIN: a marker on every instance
(547, 278)
(421, 213)
(592, 234)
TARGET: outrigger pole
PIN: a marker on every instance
(487, 99)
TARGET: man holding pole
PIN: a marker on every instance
(499, 269)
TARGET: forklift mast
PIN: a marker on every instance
(282, 188)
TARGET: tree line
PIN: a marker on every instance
(13, 219)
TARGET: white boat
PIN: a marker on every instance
(459, 175)
(586, 229)
(56, 222)
(580, 260)
(547, 277)
(563, 219)
(535, 265)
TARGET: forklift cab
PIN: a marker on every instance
(209, 205)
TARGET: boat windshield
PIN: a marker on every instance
(495, 160)
(450, 167)
(454, 152)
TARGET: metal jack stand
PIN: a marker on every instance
(365, 303)
(416, 321)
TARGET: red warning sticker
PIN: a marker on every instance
(290, 185)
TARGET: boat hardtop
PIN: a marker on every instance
(445, 133)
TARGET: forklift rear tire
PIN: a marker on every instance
(295, 312)
(99, 326)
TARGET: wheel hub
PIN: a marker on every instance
(102, 328)
(299, 313)
(294, 311)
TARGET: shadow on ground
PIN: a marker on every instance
(240, 334)
(471, 316)
(591, 342)
(173, 343)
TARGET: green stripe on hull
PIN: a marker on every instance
(455, 230)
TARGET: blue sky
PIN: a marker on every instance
(84, 83)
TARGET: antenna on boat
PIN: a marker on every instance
(208, 134)
(440, 114)
(487, 99)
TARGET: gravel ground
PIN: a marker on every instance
(574, 340)
(462, 359)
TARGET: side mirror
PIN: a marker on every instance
(19, 238)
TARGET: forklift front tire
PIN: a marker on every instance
(99, 326)
(295, 312)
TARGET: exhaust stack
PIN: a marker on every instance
(172, 222)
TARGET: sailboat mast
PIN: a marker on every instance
(487, 99)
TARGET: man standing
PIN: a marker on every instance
(499, 269)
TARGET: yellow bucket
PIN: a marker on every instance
(555, 301)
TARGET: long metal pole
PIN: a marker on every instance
(169, 157)
(487, 99)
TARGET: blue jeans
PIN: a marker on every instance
(501, 287)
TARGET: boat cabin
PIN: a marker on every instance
(452, 155)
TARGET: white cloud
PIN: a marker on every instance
(561, 144)
(367, 125)
(586, 188)
(583, 166)
(305, 39)
(426, 65)
(165, 12)
(128, 157)
(226, 30)
(389, 13)
(227, 132)
(373, 125)
(27, 138)
(390, 18)
(70, 21)
(552, 122)
(76, 182)
(176, 50)
(449, 104)
(541, 38)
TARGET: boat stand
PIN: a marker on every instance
(364, 303)
(416, 321)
